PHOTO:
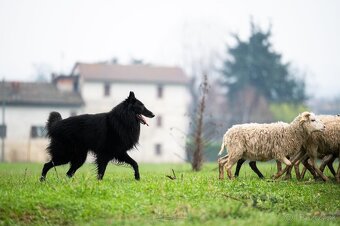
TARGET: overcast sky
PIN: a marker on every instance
(54, 34)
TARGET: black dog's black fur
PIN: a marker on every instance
(108, 135)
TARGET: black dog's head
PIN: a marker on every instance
(138, 108)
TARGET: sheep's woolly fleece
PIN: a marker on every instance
(320, 144)
(264, 142)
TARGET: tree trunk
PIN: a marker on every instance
(197, 160)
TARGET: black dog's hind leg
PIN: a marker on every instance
(101, 167)
(76, 163)
(49, 165)
(127, 159)
(253, 166)
(238, 166)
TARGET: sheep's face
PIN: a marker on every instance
(311, 123)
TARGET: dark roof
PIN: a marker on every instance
(37, 94)
(130, 73)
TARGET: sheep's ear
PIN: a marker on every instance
(304, 117)
(306, 114)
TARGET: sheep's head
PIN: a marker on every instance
(310, 122)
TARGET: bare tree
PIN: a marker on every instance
(201, 56)
(197, 160)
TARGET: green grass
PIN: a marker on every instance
(194, 198)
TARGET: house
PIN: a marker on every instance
(25, 109)
(163, 90)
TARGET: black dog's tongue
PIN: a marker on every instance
(142, 120)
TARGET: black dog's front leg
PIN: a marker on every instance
(127, 159)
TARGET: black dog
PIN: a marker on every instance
(108, 135)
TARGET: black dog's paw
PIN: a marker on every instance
(42, 179)
(137, 177)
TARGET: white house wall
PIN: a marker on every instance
(18, 144)
(173, 107)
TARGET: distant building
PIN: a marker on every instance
(27, 106)
(164, 90)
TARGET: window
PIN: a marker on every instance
(158, 149)
(38, 132)
(159, 121)
(160, 91)
(3, 130)
(107, 89)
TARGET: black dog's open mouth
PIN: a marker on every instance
(142, 120)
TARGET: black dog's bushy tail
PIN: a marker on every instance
(53, 118)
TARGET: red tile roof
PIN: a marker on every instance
(37, 94)
(130, 73)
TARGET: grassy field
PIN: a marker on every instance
(191, 199)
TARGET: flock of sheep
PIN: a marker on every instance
(304, 140)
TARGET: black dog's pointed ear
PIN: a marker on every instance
(132, 95)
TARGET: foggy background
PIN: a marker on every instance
(294, 68)
(40, 37)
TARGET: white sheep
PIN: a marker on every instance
(263, 142)
(326, 143)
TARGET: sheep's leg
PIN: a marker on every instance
(221, 172)
(228, 169)
(223, 159)
(294, 160)
(317, 170)
(288, 175)
(312, 153)
(328, 160)
(286, 161)
(253, 166)
(296, 166)
(325, 161)
(279, 166)
(280, 173)
(330, 166)
(338, 174)
(231, 161)
(308, 166)
(221, 162)
(303, 172)
(337, 177)
(238, 167)
(289, 171)
(297, 170)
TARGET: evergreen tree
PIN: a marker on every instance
(254, 63)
